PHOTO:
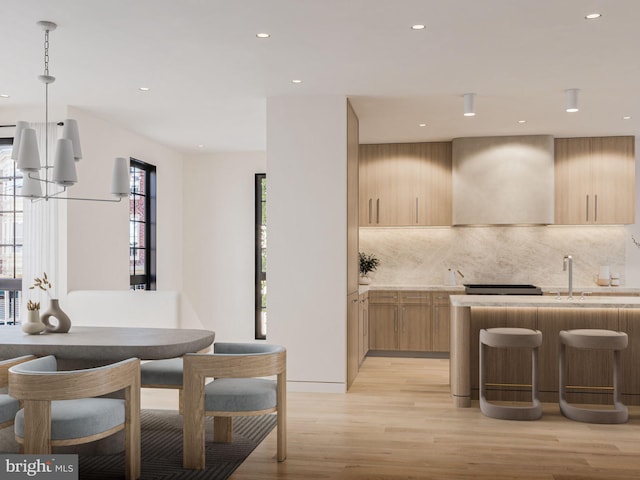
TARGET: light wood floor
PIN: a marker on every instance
(398, 422)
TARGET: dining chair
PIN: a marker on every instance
(60, 407)
(235, 390)
(9, 406)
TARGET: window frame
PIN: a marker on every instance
(148, 279)
(260, 275)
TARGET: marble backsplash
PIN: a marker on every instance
(421, 256)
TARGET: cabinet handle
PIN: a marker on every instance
(415, 296)
(370, 209)
(366, 323)
(416, 209)
(354, 301)
(395, 320)
(377, 210)
(404, 323)
(587, 219)
(595, 210)
(437, 319)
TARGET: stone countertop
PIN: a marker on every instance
(543, 301)
(578, 290)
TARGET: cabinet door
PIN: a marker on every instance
(434, 183)
(630, 356)
(363, 327)
(415, 328)
(585, 368)
(352, 338)
(572, 181)
(613, 179)
(441, 320)
(383, 327)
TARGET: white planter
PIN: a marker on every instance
(33, 325)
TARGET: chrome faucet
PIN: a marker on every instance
(568, 259)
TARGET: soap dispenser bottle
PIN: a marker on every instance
(450, 278)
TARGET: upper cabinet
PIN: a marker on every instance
(405, 184)
(594, 180)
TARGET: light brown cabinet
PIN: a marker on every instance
(405, 184)
(414, 321)
(363, 326)
(352, 338)
(595, 180)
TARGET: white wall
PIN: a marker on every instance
(98, 233)
(306, 216)
(219, 241)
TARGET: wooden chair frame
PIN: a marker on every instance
(5, 365)
(197, 368)
(37, 389)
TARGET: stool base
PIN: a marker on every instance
(510, 412)
(619, 414)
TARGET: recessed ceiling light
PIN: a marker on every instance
(422, 124)
(262, 35)
(296, 81)
(593, 16)
(627, 117)
(4, 95)
(200, 146)
(418, 27)
(522, 121)
(144, 89)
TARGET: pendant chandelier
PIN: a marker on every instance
(61, 174)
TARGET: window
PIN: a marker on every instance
(142, 226)
(261, 256)
(11, 220)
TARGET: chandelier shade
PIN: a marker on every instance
(31, 187)
(70, 131)
(64, 166)
(28, 154)
(20, 126)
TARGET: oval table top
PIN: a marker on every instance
(105, 343)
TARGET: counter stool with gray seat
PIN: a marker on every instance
(597, 340)
(9, 406)
(511, 338)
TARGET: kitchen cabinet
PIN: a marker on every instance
(595, 180)
(363, 326)
(405, 184)
(352, 338)
(409, 321)
(441, 313)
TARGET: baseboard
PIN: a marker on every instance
(393, 353)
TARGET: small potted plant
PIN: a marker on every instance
(368, 263)
(33, 325)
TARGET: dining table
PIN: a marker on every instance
(84, 347)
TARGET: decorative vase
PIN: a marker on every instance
(64, 322)
(33, 325)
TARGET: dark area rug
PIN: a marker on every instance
(162, 449)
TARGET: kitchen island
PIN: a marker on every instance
(589, 371)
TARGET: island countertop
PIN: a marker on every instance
(544, 301)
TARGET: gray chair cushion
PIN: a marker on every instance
(162, 372)
(9, 406)
(80, 418)
(240, 395)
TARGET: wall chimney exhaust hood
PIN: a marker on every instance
(503, 180)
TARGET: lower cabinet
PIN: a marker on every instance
(352, 338)
(409, 321)
(363, 326)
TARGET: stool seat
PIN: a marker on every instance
(595, 338)
(600, 340)
(510, 337)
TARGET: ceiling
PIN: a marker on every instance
(209, 75)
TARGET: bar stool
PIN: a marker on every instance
(601, 340)
(511, 338)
